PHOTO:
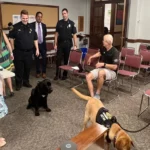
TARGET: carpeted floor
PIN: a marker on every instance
(24, 131)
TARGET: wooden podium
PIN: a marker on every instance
(91, 138)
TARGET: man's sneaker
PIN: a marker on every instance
(97, 96)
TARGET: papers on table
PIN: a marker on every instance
(75, 68)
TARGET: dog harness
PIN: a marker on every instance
(105, 118)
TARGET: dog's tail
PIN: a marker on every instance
(80, 95)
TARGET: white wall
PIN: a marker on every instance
(139, 22)
(75, 7)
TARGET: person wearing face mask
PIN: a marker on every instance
(65, 30)
(41, 32)
(23, 39)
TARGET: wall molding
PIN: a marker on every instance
(137, 40)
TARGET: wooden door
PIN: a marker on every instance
(97, 25)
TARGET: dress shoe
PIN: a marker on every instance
(44, 75)
(56, 78)
(26, 84)
(11, 94)
(18, 87)
(37, 75)
(64, 78)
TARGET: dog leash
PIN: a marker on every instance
(135, 130)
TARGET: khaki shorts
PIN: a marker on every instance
(110, 74)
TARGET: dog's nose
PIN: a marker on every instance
(50, 89)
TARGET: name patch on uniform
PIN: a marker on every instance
(69, 26)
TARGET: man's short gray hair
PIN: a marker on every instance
(109, 38)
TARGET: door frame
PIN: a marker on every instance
(125, 16)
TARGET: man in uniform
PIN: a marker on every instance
(41, 32)
(23, 38)
(65, 29)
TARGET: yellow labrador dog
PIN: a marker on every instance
(96, 112)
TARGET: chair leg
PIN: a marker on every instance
(122, 81)
(131, 85)
(141, 106)
(51, 61)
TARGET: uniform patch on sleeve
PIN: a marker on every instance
(116, 60)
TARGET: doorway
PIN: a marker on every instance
(111, 14)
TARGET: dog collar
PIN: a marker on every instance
(115, 137)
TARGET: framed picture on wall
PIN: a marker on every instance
(119, 14)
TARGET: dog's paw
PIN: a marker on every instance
(37, 114)
(48, 110)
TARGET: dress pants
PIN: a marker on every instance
(63, 52)
(22, 62)
(41, 63)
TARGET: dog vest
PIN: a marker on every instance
(105, 118)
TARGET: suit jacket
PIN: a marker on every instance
(44, 32)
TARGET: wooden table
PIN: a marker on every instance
(89, 136)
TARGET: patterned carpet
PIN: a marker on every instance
(24, 131)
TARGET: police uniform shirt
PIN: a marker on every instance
(111, 56)
(65, 30)
(24, 36)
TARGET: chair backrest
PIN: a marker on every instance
(142, 46)
(75, 57)
(94, 61)
(146, 55)
(127, 51)
(49, 46)
(133, 61)
(92, 51)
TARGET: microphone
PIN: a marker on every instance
(68, 145)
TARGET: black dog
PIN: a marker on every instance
(39, 95)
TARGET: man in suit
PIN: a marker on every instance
(41, 32)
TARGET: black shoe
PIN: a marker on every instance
(11, 94)
(64, 78)
(26, 84)
(18, 87)
(56, 78)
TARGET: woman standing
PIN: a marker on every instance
(6, 58)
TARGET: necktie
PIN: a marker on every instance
(39, 34)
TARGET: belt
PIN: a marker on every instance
(24, 50)
(64, 41)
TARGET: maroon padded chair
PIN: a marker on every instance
(131, 62)
(92, 51)
(147, 94)
(145, 63)
(74, 59)
(126, 51)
